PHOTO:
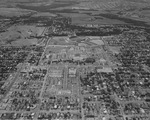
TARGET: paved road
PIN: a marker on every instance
(46, 45)
(44, 82)
(46, 28)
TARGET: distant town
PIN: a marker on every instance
(75, 72)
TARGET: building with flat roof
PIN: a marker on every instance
(56, 73)
(72, 72)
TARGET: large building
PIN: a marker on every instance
(56, 73)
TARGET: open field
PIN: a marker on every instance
(78, 18)
(82, 11)
(10, 12)
(146, 13)
(20, 35)
(24, 42)
(44, 14)
(46, 7)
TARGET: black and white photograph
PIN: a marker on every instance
(74, 59)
